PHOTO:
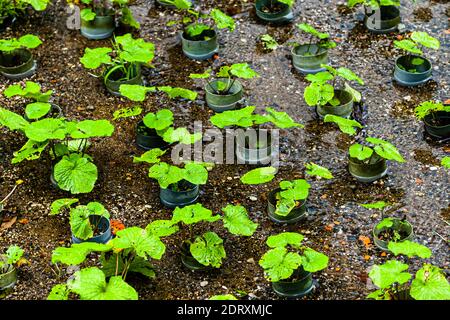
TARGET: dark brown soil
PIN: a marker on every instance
(336, 220)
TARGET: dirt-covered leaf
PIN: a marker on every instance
(281, 119)
(162, 228)
(179, 93)
(222, 20)
(315, 170)
(127, 112)
(208, 250)
(430, 283)
(61, 204)
(237, 221)
(152, 156)
(31, 150)
(59, 292)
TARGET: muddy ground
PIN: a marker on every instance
(336, 221)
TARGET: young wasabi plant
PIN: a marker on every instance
(268, 42)
(394, 282)
(122, 62)
(15, 8)
(431, 108)
(313, 169)
(207, 249)
(445, 162)
(226, 77)
(198, 26)
(291, 195)
(347, 126)
(29, 41)
(373, 150)
(73, 170)
(414, 47)
(129, 252)
(40, 107)
(84, 219)
(321, 92)
(317, 39)
(90, 9)
(10, 259)
(287, 255)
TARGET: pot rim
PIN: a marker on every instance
(195, 186)
(284, 5)
(414, 55)
(437, 127)
(139, 74)
(396, 219)
(197, 41)
(20, 65)
(305, 45)
(237, 82)
(350, 159)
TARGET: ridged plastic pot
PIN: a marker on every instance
(367, 172)
(411, 79)
(383, 20)
(200, 49)
(255, 156)
(297, 214)
(307, 64)
(9, 278)
(398, 225)
(286, 15)
(189, 261)
(114, 86)
(344, 110)
(102, 27)
(295, 289)
(221, 103)
(17, 64)
(440, 132)
(173, 199)
(150, 139)
(104, 227)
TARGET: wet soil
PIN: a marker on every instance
(335, 222)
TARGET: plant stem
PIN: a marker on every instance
(9, 194)
(117, 264)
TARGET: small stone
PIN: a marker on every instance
(433, 168)
(251, 260)
(203, 283)
(253, 198)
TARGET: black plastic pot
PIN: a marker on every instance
(309, 63)
(113, 86)
(221, 103)
(17, 64)
(8, 278)
(105, 230)
(411, 79)
(382, 20)
(200, 49)
(173, 199)
(295, 289)
(285, 15)
(189, 261)
(440, 131)
(102, 27)
(367, 172)
(148, 139)
(398, 225)
(261, 155)
(344, 110)
(297, 214)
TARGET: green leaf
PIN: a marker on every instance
(159, 121)
(128, 18)
(284, 239)
(425, 39)
(387, 274)
(311, 30)
(46, 129)
(315, 170)
(166, 174)
(242, 117)
(290, 3)
(296, 190)
(269, 42)
(355, 93)
(208, 250)
(385, 149)
(94, 58)
(430, 284)
(222, 20)
(408, 45)
(181, 135)
(90, 284)
(223, 297)
(349, 75)
(360, 152)
(243, 70)
(13, 254)
(30, 41)
(445, 162)
(87, 14)
(31, 150)
(135, 92)
(428, 107)
(192, 214)
(144, 244)
(318, 94)
(151, 156)
(12, 120)
(60, 204)
(285, 206)
(135, 50)
(77, 253)
(195, 173)
(162, 228)
(37, 110)
(59, 292)
(237, 222)
(127, 112)
(38, 5)
(281, 119)
(76, 174)
(409, 249)
(352, 3)
(196, 29)
(259, 175)
(116, 263)
(320, 77)
(92, 128)
(80, 224)
(375, 205)
(345, 125)
(279, 264)
(313, 261)
(204, 75)
(179, 92)
(385, 224)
